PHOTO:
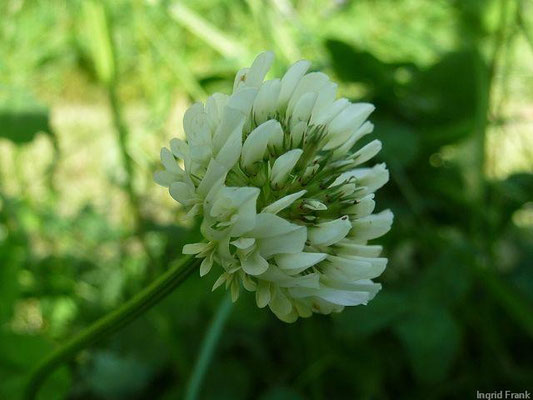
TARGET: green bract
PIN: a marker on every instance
(286, 205)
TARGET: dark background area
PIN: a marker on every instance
(90, 91)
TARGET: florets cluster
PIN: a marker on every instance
(287, 207)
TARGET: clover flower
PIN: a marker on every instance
(286, 205)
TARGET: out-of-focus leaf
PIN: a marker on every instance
(511, 194)
(9, 287)
(400, 142)
(444, 99)
(517, 306)
(281, 393)
(387, 308)
(107, 379)
(447, 92)
(353, 65)
(431, 338)
(227, 380)
(22, 117)
(21, 124)
(98, 39)
(210, 34)
(18, 355)
(447, 280)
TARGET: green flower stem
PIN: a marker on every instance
(208, 348)
(112, 322)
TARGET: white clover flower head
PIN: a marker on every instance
(287, 206)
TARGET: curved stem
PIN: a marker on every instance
(208, 347)
(111, 323)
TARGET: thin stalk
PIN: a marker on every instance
(111, 323)
(208, 348)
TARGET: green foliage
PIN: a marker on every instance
(20, 353)
(21, 117)
(455, 311)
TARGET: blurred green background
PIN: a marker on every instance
(90, 91)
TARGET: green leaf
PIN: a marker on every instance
(21, 125)
(106, 378)
(446, 281)
(431, 338)
(400, 142)
(387, 308)
(353, 65)
(22, 117)
(281, 393)
(209, 33)
(18, 355)
(444, 99)
(9, 288)
(98, 39)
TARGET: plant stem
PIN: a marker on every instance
(112, 322)
(208, 348)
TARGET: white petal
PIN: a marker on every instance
(328, 233)
(262, 296)
(169, 162)
(215, 172)
(364, 207)
(372, 178)
(353, 268)
(242, 100)
(302, 109)
(233, 116)
(348, 121)
(280, 304)
(348, 248)
(254, 264)
(290, 80)
(283, 279)
(195, 248)
(345, 148)
(296, 263)
(373, 226)
(283, 166)
(259, 69)
(243, 243)
(362, 285)
(206, 265)
(179, 148)
(367, 152)
(323, 117)
(247, 282)
(267, 225)
(312, 82)
(214, 108)
(246, 215)
(196, 126)
(165, 178)
(354, 114)
(266, 101)
(220, 281)
(292, 242)
(314, 205)
(297, 134)
(341, 297)
(276, 138)
(183, 193)
(255, 145)
(283, 203)
(240, 78)
(229, 153)
(325, 99)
